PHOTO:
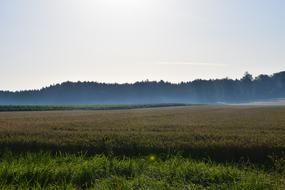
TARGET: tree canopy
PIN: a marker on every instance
(262, 87)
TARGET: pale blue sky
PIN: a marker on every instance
(49, 41)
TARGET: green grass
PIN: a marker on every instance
(13, 108)
(69, 171)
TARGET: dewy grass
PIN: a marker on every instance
(69, 171)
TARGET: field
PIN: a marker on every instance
(192, 147)
(5, 108)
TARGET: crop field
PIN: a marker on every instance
(187, 147)
(5, 108)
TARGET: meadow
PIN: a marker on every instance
(17, 108)
(186, 147)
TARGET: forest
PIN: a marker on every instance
(246, 89)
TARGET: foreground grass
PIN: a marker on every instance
(70, 171)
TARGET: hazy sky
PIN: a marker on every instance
(49, 41)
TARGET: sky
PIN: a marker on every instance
(44, 42)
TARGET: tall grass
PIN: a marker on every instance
(70, 171)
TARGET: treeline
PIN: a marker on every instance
(262, 87)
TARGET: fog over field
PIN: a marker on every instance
(274, 102)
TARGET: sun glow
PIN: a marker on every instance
(110, 3)
(123, 2)
(90, 9)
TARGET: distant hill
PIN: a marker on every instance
(247, 89)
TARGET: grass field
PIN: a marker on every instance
(9, 108)
(195, 147)
(41, 170)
